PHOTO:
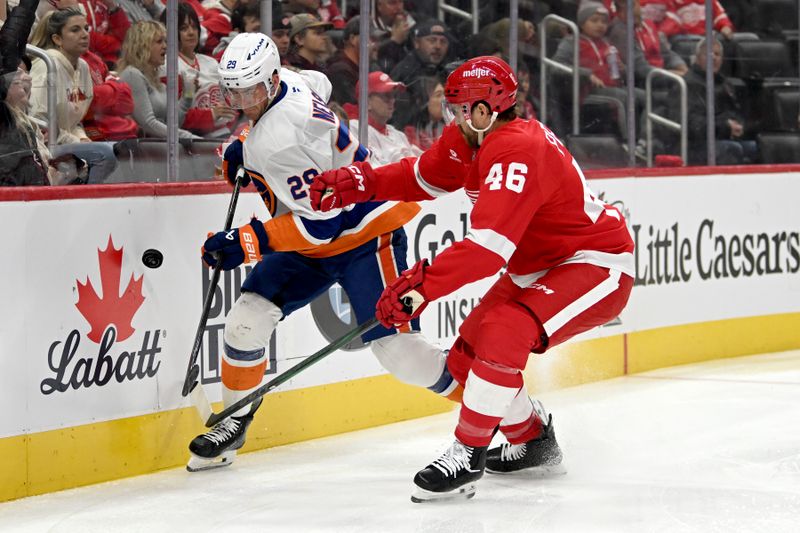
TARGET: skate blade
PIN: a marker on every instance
(462, 493)
(199, 464)
(534, 471)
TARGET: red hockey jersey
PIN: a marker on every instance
(533, 210)
(692, 14)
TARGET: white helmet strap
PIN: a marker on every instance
(481, 132)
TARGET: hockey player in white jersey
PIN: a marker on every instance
(300, 252)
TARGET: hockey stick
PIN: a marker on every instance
(193, 369)
(214, 418)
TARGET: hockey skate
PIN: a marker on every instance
(540, 456)
(217, 448)
(453, 475)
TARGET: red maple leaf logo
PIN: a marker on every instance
(112, 308)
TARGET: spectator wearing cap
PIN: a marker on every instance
(426, 60)
(386, 143)
(280, 34)
(601, 63)
(395, 23)
(325, 10)
(343, 68)
(309, 43)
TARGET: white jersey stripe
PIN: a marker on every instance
(520, 409)
(369, 217)
(487, 398)
(492, 241)
(243, 364)
(450, 388)
(622, 262)
(424, 185)
(304, 232)
(583, 303)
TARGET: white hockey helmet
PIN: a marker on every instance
(249, 60)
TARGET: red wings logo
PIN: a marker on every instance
(113, 307)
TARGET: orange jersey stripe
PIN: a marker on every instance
(241, 378)
(457, 394)
(284, 235)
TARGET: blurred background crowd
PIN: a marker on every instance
(108, 121)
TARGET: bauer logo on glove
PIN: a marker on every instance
(237, 246)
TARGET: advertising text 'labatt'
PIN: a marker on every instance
(104, 355)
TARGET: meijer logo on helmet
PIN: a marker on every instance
(477, 72)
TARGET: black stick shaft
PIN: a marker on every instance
(292, 372)
(189, 380)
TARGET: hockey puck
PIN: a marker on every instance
(152, 258)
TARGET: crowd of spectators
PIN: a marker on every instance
(111, 77)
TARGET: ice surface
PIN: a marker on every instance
(711, 447)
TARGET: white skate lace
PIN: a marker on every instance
(223, 431)
(512, 452)
(455, 458)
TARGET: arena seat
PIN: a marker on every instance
(775, 17)
(784, 112)
(779, 147)
(597, 151)
(684, 46)
(758, 60)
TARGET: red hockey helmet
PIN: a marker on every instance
(485, 78)
(482, 79)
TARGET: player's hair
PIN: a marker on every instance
(508, 114)
(52, 23)
(136, 49)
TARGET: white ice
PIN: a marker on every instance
(711, 447)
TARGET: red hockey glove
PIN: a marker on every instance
(343, 186)
(403, 300)
(237, 246)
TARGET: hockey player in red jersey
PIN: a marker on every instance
(569, 260)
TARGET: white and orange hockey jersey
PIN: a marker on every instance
(297, 138)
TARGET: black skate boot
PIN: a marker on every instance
(217, 447)
(452, 475)
(541, 455)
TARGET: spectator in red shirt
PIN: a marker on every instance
(692, 14)
(108, 25)
(217, 22)
(600, 62)
(650, 48)
(109, 115)
(662, 14)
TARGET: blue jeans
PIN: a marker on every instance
(98, 155)
(736, 152)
